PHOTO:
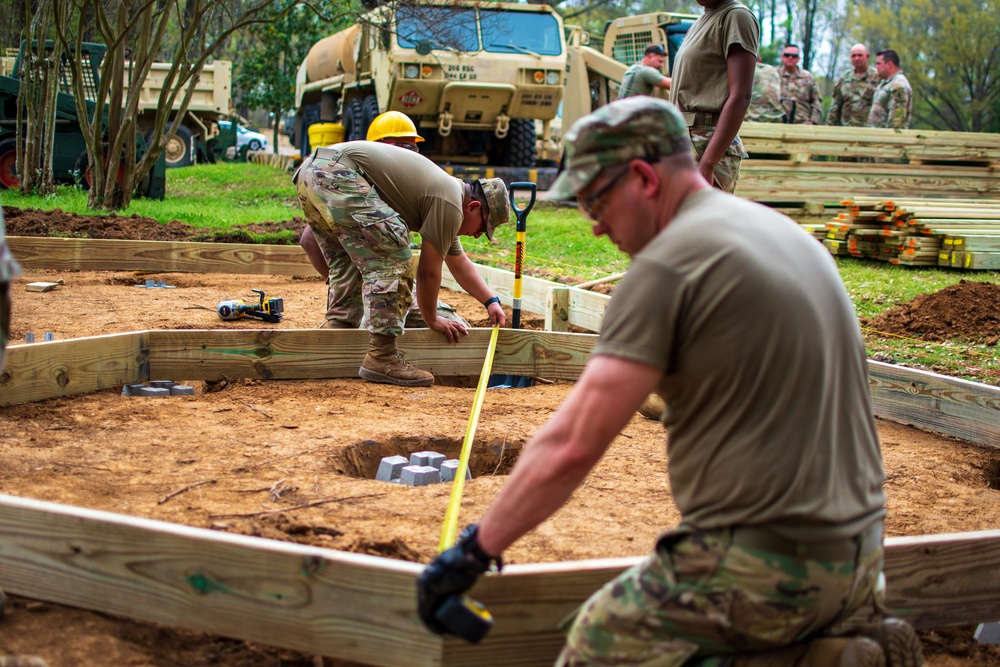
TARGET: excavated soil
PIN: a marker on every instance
(252, 453)
(969, 310)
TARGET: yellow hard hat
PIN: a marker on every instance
(393, 124)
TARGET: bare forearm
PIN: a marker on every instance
(468, 277)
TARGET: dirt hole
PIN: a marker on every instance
(488, 457)
(991, 471)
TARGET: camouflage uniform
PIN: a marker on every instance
(800, 87)
(727, 171)
(8, 270)
(729, 579)
(852, 98)
(765, 101)
(727, 598)
(892, 105)
(366, 243)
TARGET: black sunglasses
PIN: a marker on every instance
(790, 55)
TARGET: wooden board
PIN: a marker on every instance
(363, 608)
(825, 140)
(65, 254)
(328, 353)
(320, 601)
(586, 308)
(37, 371)
(954, 407)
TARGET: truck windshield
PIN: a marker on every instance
(437, 28)
(521, 32)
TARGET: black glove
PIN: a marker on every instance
(453, 572)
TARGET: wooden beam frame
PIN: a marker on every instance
(363, 608)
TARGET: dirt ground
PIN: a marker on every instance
(252, 451)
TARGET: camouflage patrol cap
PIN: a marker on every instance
(630, 128)
(497, 205)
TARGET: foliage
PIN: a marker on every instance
(273, 50)
(949, 51)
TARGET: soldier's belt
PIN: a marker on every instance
(700, 119)
(847, 549)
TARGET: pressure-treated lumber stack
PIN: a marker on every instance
(960, 233)
(793, 163)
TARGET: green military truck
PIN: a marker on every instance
(474, 78)
(69, 153)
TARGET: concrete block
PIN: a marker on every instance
(182, 390)
(449, 468)
(988, 633)
(420, 475)
(390, 467)
(153, 391)
(427, 459)
(132, 389)
(162, 384)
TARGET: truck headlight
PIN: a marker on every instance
(552, 78)
(539, 76)
(411, 71)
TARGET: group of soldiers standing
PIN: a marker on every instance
(864, 96)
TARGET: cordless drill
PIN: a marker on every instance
(269, 310)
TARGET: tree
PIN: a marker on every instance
(950, 52)
(265, 77)
(134, 32)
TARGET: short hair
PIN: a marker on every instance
(654, 48)
(889, 56)
(792, 46)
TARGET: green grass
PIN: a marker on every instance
(211, 197)
(559, 245)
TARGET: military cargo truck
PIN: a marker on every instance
(209, 104)
(473, 77)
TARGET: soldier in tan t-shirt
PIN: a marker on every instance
(719, 51)
(740, 321)
(361, 199)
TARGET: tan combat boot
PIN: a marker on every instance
(898, 640)
(825, 652)
(385, 364)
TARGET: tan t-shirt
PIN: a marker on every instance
(769, 415)
(427, 199)
(700, 75)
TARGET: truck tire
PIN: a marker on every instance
(178, 150)
(354, 121)
(8, 164)
(86, 176)
(521, 143)
(369, 110)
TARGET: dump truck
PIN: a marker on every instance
(69, 153)
(209, 104)
(474, 78)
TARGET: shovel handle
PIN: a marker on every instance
(522, 213)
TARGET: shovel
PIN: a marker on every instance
(517, 381)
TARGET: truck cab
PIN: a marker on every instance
(472, 77)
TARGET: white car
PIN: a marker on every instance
(244, 137)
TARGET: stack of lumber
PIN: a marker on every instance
(960, 233)
(808, 163)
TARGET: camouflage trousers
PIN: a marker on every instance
(4, 320)
(365, 242)
(698, 599)
(727, 172)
